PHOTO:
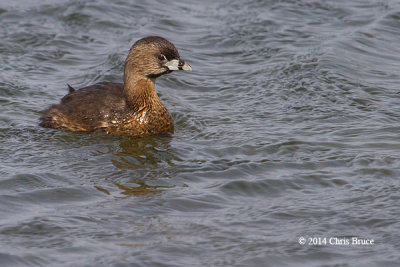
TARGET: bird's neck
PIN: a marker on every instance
(140, 93)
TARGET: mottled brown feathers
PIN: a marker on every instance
(132, 108)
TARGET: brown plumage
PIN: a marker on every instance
(132, 108)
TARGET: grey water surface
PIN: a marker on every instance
(287, 128)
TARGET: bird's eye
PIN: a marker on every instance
(162, 57)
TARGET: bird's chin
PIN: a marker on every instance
(156, 75)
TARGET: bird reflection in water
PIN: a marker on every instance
(142, 189)
(144, 159)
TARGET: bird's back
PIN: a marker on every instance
(87, 109)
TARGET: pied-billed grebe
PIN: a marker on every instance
(131, 108)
